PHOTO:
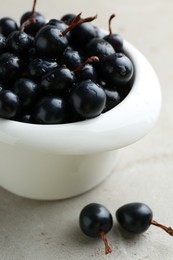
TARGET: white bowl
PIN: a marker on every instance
(60, 161)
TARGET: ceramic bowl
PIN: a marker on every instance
(51, 162)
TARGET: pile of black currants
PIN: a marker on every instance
(60, 71)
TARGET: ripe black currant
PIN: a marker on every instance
(31, 22)
(95, 220)
(115, 40)
(100, 48)
(11, 67)
(9, 104)
(88, 99)
(137, 217)
(116, 69)
(7, 25)
(50, 110)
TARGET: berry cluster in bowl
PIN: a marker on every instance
(62, 70)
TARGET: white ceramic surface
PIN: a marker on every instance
(60, 161)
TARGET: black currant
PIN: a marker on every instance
(19, 42)
(112, 98)
(95, 220)
(49, 42)
(86, 30)
(58, 80)
(11, 67)
(115, 40)
(136, 217)
(86, 70)
(88, 99)
(9, 104)
(31, 22)
(50, 110)
(39, 67)
(99, 47)
(7, 25)
(116, 69)
(28, 92)
(71, 58)
(68, 18)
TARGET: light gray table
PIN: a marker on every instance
(37, 230)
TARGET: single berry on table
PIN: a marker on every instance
(136, 217)
(95, 220)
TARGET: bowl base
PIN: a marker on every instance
(43, 176)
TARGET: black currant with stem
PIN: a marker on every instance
(32, 21)
(50, 42)
(115, 40)
(137, 217)
(95, 221)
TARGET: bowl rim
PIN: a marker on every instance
(126, 123)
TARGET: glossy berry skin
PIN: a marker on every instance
(50, 110)
(37, 68)
(100, 48)
(33, 28)
(49, 42)
(24, 118)
(112, 99)
(19, 42)
(7, 25)
(3, 43)
(27, 91)
(82, 34)
(68, 18)
(71, 58)
(58, 80)
(87, 72)
(116, 41)
(116, 69)
(11, 67)
(134, 217)
(9, 104)
(88, 99)
(94, 219)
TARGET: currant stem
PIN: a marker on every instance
(77, 21)
(168, 230)
(110, 20)
(31, 20)
(108, 250)
(88, 61)
(33, 8)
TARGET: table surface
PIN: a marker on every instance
(33, 230)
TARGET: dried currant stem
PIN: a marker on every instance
(110, 20)
(88, 61)
(108, 249)
(168, 230)
(77, 21)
